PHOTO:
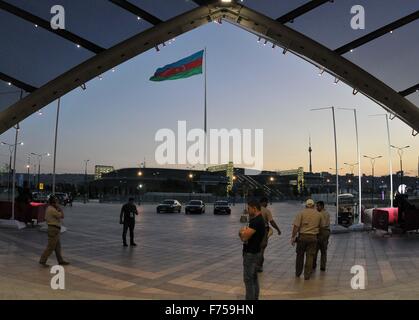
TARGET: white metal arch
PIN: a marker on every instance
(244, 17)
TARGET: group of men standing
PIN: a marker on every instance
(310, 234)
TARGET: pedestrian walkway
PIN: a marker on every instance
(197, 257)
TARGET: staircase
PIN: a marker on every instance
(253, 184)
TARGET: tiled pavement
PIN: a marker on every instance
(197, 257)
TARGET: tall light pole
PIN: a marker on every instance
(400, 153)
(39, 155)
(336, 157)
(390, 162)
(28, 167)
(12, 148)
(85, 180)
(372, 159)
(55, 145)
(352, 166)
(358, 151)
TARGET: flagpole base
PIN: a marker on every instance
(12, 224)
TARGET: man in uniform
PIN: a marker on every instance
(267, 216)
(53, 216)
(127, 218)
(252, 237)
(323, 238)
(307, 224)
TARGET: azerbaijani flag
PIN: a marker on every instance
(181, 69)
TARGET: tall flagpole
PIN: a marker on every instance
(55, 145)
(205, 106)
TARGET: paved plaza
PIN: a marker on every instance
(197, 257)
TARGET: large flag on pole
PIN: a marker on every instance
(181, 69)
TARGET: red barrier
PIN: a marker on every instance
(23, 212)
(382, 218)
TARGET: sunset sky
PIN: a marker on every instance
(250, 86)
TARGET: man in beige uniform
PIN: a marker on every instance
(53, 217)
(307, 224)
(267, 216)
(323, 238)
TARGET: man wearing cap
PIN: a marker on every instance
(53, 216)
(267, 216)
(306, 225)
(323, 238)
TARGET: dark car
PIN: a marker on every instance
(222, 207)
(63, 198)
(169, 206)
(195, 206)
(39, 197)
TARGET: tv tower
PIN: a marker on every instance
(309, 153)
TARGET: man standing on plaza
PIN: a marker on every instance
(252, 237)
(127, 218)
(323, 238)
(307, 224)
(53, 216)
(267, 216)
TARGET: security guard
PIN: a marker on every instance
(127, 218)
(323, 238)
(53, 216)
(307, 224)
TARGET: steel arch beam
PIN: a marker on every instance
(242, 16)
(321, 56)
(103, 62)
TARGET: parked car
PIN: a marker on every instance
(63, 198)
(195, 206)
(169, 206)
(222, 207)
(39, 197)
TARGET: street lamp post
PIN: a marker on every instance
(400, 153)
(39, 155)
(390, 162)
(358, 151)
(372, 159)
(11, 170)
(336, 157)
(85, 180)
(190, 176)
(352, 166)
(29, 176)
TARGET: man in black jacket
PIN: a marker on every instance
(127, 218)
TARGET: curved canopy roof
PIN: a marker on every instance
(39, 64)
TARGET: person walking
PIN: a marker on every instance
(252, 237)
(53, 216)
(267, 217)
(127, 218)
(306, 225)
(323, 238)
